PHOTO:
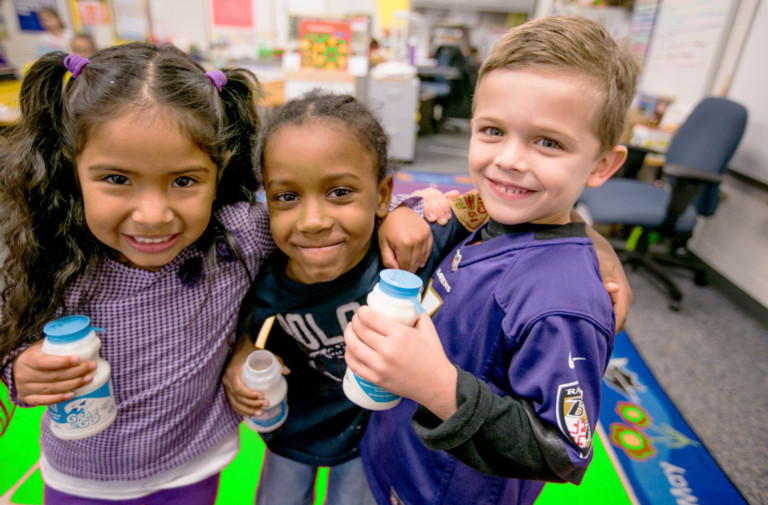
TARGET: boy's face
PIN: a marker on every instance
(147, 190)
(532, 149)
(323, 197)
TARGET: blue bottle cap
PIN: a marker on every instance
(68, 329)
(399, 283)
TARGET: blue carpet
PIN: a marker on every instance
(662, 459)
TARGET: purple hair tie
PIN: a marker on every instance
(75, 63)
(218, 78)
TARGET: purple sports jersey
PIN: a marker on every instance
(525, 313)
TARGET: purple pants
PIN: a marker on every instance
(200, 493)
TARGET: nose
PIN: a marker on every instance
(512, 156)
(152, 209)
(314, 217)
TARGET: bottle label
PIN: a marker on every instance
(271, 416)
(374, 392)
(85, 411)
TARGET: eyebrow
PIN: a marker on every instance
(332, 178)
(112, 168)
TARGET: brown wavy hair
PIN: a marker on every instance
(42, 222)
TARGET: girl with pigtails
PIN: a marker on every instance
(127, 195)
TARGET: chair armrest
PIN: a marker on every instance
(686, 172)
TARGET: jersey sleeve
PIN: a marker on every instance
(489, 432)
(542, 430)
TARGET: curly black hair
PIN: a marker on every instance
(345, 111)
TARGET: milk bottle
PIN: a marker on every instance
(93, 407)
(395, 296)
(262, 372)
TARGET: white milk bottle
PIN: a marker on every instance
(262, 372)
(395, 296)
(93, 408)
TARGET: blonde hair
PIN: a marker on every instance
(581, 47)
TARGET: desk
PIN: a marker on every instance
(9, 103)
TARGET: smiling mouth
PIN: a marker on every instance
(319, 248)
(152, 240)
(152, 245)
(509, 189)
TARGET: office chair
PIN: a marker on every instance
(452, 84)
(696, 162)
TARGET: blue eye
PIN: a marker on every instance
(548, 143)
(493, 132)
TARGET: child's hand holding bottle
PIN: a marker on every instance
(242, 399)
(44, 379)
(406, 361)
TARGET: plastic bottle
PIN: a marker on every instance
(262, 372)
(395, 296)
(93, 408)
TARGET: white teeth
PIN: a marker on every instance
(511, 191)
(158, 240)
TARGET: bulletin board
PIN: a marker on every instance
(685, 49)
(324, 44)
(748, 87)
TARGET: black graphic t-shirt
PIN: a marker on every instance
(323, 427)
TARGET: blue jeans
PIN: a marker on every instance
(287, 482)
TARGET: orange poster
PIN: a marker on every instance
(325, 45)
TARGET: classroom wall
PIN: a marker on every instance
(186, 22)
(734, 241)
(21, 46)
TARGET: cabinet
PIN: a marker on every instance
(396, 104)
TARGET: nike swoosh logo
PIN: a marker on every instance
(571, 360)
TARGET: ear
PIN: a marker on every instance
(384, 192)
(607, 165)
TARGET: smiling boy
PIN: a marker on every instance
(502, 385)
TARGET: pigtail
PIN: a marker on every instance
(241, 119)
(36, 187)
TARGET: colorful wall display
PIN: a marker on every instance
(324, 45)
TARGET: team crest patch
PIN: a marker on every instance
(469, 210)
(572, 417)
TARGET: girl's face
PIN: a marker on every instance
(323, 195)
(147, 190)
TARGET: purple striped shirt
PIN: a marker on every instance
(168, 335)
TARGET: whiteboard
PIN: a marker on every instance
(750, 88)
(686, 44)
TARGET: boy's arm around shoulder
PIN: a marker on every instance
(612, 272)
